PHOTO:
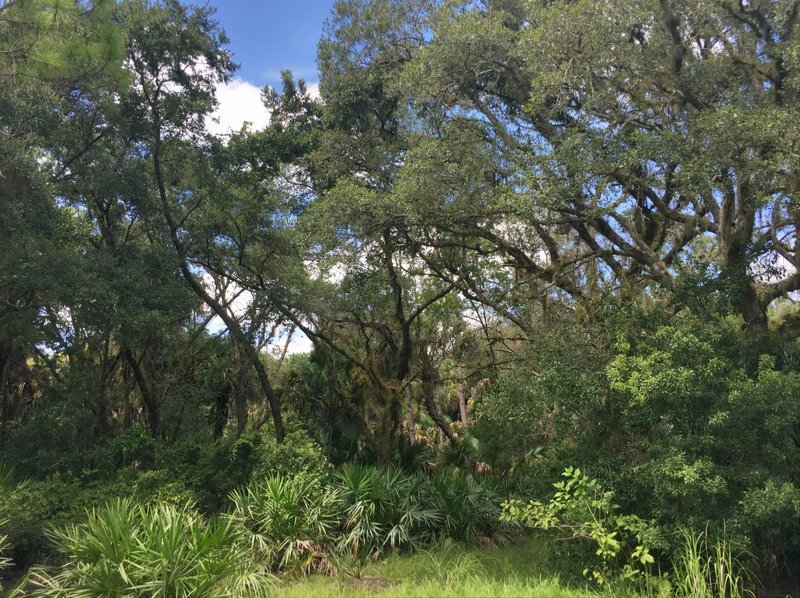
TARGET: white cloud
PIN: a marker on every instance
(313, 90)
(300, 343)
(239, 102)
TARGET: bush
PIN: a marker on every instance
(382, 509)
(298, 455)
(287, 522)
(210, 470)
(160, 549)
(29, 507)
(691, 421)
(581, 510)
(468, 510)
(713, 430)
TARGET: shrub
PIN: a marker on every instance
(211, 470)
(382, 509)
(286, 521)
(469, 510)
(581, 510)
(29, 507)
(298, 455)
(161, 549)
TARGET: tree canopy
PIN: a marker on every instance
(520, 236)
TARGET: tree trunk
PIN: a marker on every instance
(240, 398)
(148, 395)
(232, 325)
(412, 432)
(388, 427)
(222, 407)
(462, 398)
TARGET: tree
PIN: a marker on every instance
(177, 58)
(640, 129)
(47, 50)
(599, 146)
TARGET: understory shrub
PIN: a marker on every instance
(382, 509)
(286, 521)
(692, 421)
(297, 455)
(581, 510)
(469, 508)
(306, 522)
(29, 507)
(151, 550)
(210, 470)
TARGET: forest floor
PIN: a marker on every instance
(526, 568)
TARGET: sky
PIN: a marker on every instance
(269, 36)
(265, 38)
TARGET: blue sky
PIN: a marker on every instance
(265, 37)
(268, 36)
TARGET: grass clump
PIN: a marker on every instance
(709, 566)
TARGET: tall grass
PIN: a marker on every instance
(5, 561)
(709, 566)
(451, 570)
(6, 477)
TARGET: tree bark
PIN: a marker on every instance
(148, 395)
(462, 397)
(412, 432)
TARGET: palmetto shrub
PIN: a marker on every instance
(362, 512)
(383, 509)
(469, 508)
(287, 522)
(151, 550)
(282, 523)
(4, 560)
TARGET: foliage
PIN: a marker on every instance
(710, 566)
(150, 550)
(210, 470)
(520, 235)
(29, 507)
(298, 455)
(5, 560)
(695, 401)
(580, 509)
(469, 507)
(382, 509)
(287, 521)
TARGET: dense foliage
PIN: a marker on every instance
(523, 237)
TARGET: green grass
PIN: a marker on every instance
(711, 566)
(522, 569)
